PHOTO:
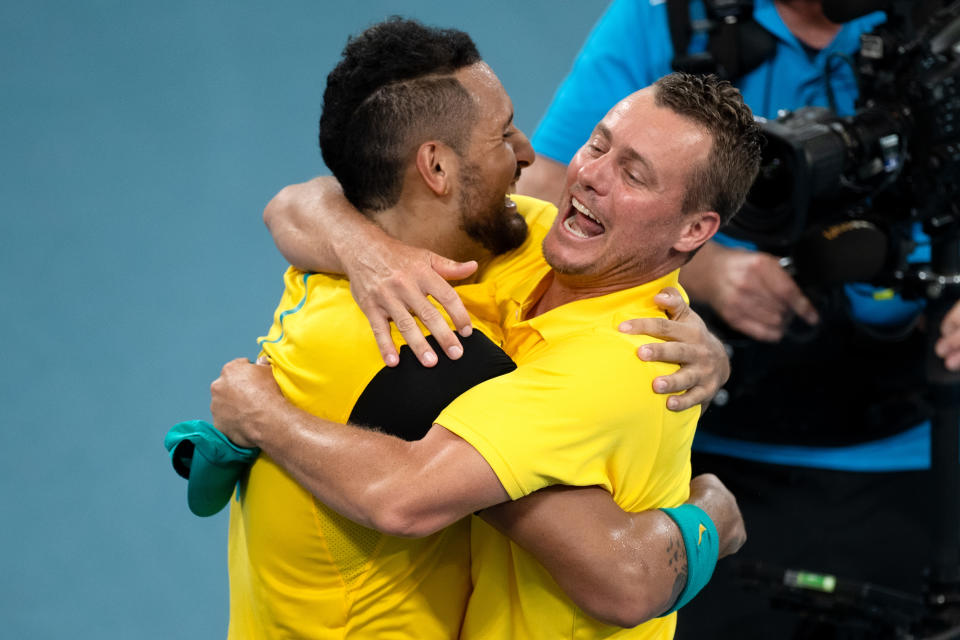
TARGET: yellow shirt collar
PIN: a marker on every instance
(634, 302)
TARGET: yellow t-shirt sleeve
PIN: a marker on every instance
(568, 417)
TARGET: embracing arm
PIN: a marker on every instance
(312, 224)
(397, 487)
(620, 568)
(604, 558)
(317, 229)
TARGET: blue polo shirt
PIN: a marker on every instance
(630, 48)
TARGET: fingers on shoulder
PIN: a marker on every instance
(657, 327)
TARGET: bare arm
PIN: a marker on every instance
(300, 219)
(397, 487)
(749, 289)
(415, 488)
(620, 568)
(317, 229)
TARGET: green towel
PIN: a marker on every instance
(208, 460)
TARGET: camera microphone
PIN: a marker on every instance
(848, 251)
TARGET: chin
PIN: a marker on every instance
(499, 234)
(514, 233)
(561, 265)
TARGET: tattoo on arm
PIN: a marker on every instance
(677, 562)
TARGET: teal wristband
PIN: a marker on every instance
(703, 549)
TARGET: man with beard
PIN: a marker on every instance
(296, 565)
(579, 400)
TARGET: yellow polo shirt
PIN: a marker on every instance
(297, 568)
(578, 410)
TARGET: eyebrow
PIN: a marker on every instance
(632, 155)
(509, 120)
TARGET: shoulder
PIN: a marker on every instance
(598, 365)
(605, 355)
(404, 400)
(633, 11)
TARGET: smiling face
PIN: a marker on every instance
(621, 221)
(491, 166)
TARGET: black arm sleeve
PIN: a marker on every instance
(404, 400)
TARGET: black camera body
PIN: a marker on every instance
(833, 192)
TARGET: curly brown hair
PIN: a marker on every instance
(393, 88)
(722, 182)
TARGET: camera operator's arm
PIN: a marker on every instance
(621, 568)
(948, 345)
(317, 229)
(749, 289)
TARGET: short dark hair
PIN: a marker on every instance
(721, 184)
(393, 90)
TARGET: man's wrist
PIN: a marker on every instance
(266, 425)
(359, 239)
(702, 546)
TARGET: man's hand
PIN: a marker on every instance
(750, 290)
(391, 281)
(704, 365)
(241, 397)
(948, 345)
(317, 229)
(708, 493)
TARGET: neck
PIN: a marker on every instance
(806, 21)
(561, 289)
(431, 225)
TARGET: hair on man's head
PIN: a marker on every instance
(392, 90)
(721, 183)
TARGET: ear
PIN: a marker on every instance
(698, 227)
(436, 166)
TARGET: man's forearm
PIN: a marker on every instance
(620, 568)
(343, 466)
(380, 481)
(312, 223)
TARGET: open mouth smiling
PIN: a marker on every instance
(581, 222)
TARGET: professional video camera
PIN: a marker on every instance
(834, 193)
(838, 197)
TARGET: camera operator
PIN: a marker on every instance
(825, 435)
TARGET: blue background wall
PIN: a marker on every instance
(139, 142)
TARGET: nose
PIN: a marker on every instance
(592, 171)
(523, 150)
